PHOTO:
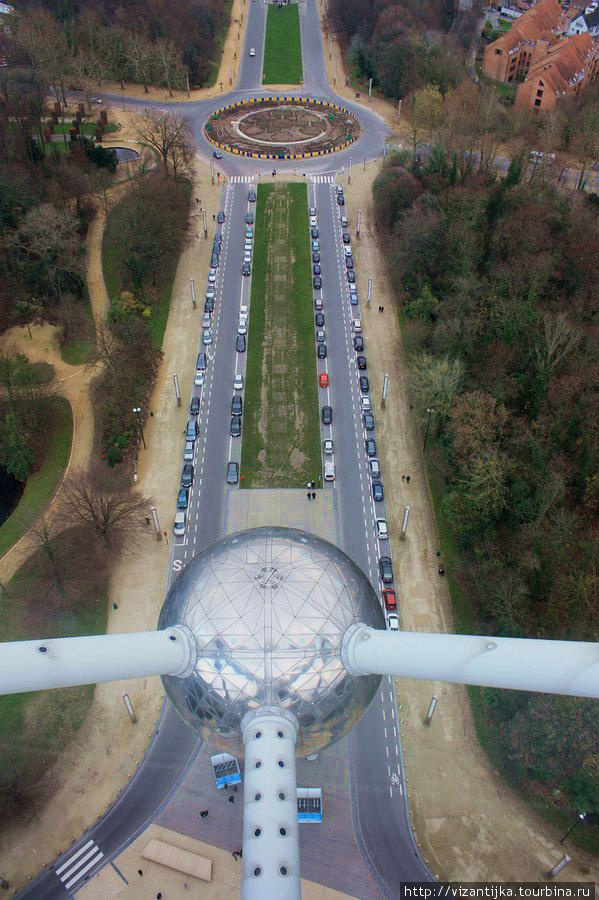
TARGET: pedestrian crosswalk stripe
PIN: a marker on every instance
(241, 179)
(322, 179)
(77, 865)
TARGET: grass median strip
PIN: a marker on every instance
(281, 429)
(282, 46)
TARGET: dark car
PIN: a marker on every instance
(317, 282)
(235, 429)
(322, 351)
(194, 406)
(353, 298)
(232, 473)
(386, 569)
(358, 342)
(364, 384)
(370, 446)
(327, 415)
(218, 238)
(351, 276)
(217, 154)
(361, 362)
(214, 259)
(249, 218)
(240, 343)
(349, 262)
(314, 233)
(319, 320)
(183, 498)
(201, 362)
(368, 420)
(346, 238)
(377, 490)
(209, 305)
(316, 257)
(340, 199)
(252, 195)
(316, 269)
(187, 475)
(246, 270)
(220, 218)
(237, 405)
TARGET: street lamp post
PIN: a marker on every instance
(137, 411)
(580, 818)
(428, 425)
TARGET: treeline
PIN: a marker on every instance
(147, 42)
(498, 282)
(401, 46)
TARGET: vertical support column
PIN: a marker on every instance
(271, 864)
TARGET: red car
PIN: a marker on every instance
(323, 379)
(389, 599)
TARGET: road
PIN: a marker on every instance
(379, 801)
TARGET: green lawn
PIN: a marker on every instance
(281, 428)
(115, 274)
(40, 486)
(282, 46)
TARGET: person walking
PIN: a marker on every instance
(140, 872)
(309, 495)
(403, 477)
(231, 799)
(408, 478)
(314, 495)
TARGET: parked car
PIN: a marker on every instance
(246, 269)
(198, 379)
(370, 446)
(232, 473)
(382, 531)
(314, 233)
(320, 336)
(327, 415)
(365, 404)
(252, 51)
(346, 238)
(316, 257)
(386, 569)
(209, 305)
(351, 276)
(249, 218)
(183, 499)
(347, 250)
(316, 270)
(220, 217)
(194, 406)
(249, 231)
(358, 342)
(240, 343)
(329, 470)
(188, 452)
(238, 383)
(389, 599)
(237, 405)
(235, 429)
(217, 154)
(315, 247)
(340, 199)
(353, 298)
(187, 475)
(323, 379)
(252, 195)
(356, 326)
(327, 446)
(201, 361)
(206, 320)
(193, 429)
(317, 282)
(393, 622)
(214, 259)
(344, 221)
(207, 337)
(319, 320)
(321, 351)
(313, 221)
(180, 523)
(312, 211)
(374, 468)
(364, 384)
(349, 262)
(318, 304)
(377, 491)
(361, 362)
(368, 420)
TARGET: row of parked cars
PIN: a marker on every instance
(321, 345)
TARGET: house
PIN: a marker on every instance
(566, 69)
(585, 22)
(510, 57)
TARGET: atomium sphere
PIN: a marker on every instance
(268, 609)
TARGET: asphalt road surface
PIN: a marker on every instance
(379, 801)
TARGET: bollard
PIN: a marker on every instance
(431, 710)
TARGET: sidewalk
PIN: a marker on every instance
(469, 824)
(108, 749)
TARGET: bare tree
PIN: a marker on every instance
(39, 34)
(141, 56)
(43, 533)
(167, 132)
(18, 790)
(48, 244)
(168, 65)
(116, 513)
(558, 339)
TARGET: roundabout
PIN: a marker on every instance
(282, 127)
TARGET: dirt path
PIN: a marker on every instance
(95, 769)
(469, 824)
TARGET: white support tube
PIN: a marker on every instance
(64, 662)
(551, 667)
(271, 862)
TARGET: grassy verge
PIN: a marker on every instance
(282, 46)
(41, 486)
(281, 431)
(35, 727)
(115, 274)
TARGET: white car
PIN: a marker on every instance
(198, 379)
(312, 210)
(207, 337)
(313, 222)
(243, 310)
(206, 320)
(210, 292)
(327, 446)
(180, 523)
(238, 383)
(356, 326)
(347, 251)
(252, 51)
(248, 244)
(365, 404)
(382, 532)
(344, 221)
(329, 470)
(393, 622)
(247, 256)
(242, 328)
(211, 276)
(188, 452)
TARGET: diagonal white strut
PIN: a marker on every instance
(551, 667)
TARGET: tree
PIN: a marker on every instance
(586, 140)
(15, 456)
(435, 381)
(116, 513)
(169, 133)
(425, 114)
(43, 533)
(168, 64)
(44, 41)
(557, 340)
(48, 250)
(476, 425)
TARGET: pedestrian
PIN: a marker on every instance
(147, 520)
(240, 854)
(382, 309)
(231, 799)
(140, 872)
(213, 217)
(159, 895)
(235, 788)
(441, 569)
(314, 495)
(408, 478)
(309, 495)
(234, 854)
(403, 477)
(185, 885)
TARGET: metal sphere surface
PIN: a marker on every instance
(268, 609)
